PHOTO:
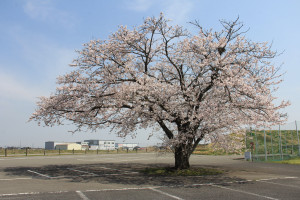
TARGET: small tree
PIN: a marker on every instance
(191, 86)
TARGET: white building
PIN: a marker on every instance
(84, 145)
(130, 146)
(101, 144)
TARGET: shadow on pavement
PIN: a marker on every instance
(112, 173)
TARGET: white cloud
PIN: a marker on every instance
(45, 11)
(140, 5)
(178, 10)
(11, 88)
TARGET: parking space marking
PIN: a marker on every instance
(76, 170)
(14, 179)
(44, 175)
(16, 194)
(241, 191)
(32, 193)
(278, 184)
(123, 189)
(166, 194)
(156, 188)
(82, 196)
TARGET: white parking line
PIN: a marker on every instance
(166, 194)
(241, 191)
(82, 195)
(16, 194)
(122, 189)
(31, 193)
(76, 170)
(14, 179)
(285, 185)
(44, 175)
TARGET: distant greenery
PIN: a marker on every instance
(289, 142)
(294, 161)
(168, 171)
(207, 149)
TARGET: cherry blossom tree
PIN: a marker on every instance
(157, 75)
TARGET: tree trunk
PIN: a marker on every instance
(181, 159)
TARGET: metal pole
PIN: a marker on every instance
(298, 138)
(246, 141)
(286, 150)
(292, 138)
(26, 151)
(257, 146)
(272, 146)
(5, 152)
(280, 143)
(265, 143)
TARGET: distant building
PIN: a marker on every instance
(130, 146)
(84, 145)
(50, 145)
(68, 146)
(101, 144)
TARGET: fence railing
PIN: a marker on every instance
(276, 143)
(5, 152)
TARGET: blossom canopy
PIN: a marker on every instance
(158, 75)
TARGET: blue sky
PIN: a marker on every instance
(39, 37)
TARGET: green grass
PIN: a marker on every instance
(294, 161)
(168, 171)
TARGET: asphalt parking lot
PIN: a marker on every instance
(118, 176)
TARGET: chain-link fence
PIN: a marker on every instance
(277, 143)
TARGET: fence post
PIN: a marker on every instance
(117, 151)
(292, 138)
(280, 139)
(85, 151)
(5, 152)
(298, 139)
(146, 150)
(246, 141)
(26, 152)
(286, 150)
(127, 150)
(265, 143)
(73, 151)
(97, 151)
(272, 145)
(44, 152)
(58, 151)
(256, 146)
